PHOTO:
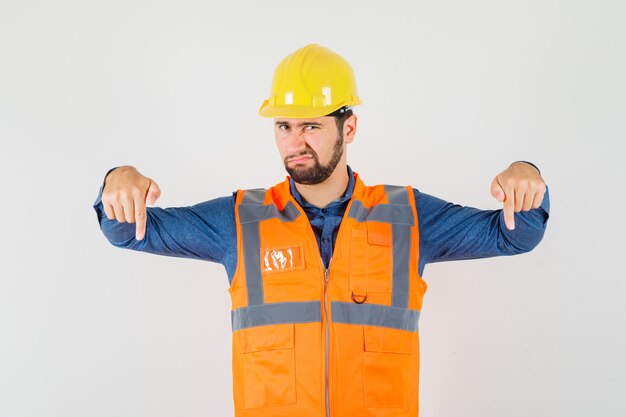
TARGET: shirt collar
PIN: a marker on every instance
(347, 195)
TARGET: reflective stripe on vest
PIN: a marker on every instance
(276, 313)
(375, 315)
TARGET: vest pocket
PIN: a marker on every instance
(386, 365)
(371, 258)
(269, 371)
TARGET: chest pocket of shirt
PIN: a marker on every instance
(268, 356)
(371, 258)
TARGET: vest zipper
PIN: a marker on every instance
(326, 352)
(325, 287)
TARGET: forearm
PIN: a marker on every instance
(452, 232)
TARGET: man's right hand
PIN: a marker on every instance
(125, 194)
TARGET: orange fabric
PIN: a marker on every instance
(280, 369)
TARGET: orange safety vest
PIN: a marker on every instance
(314, 342)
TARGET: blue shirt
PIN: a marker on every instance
(447, 231)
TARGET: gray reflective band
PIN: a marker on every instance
(401, 248)
(375, 315)
(276, 313)
(401, 258)
(397, 195)
(252, 262)
(256, 212)
(254, 196)
(386, 213)
(251, 212)
(252, 208)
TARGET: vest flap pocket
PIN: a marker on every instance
(371, 265)
(386, 366)
(382, 339)
(275, 336)
(378, 233)
(268, 365)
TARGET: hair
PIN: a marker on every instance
(341, 115)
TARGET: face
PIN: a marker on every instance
(310, 148)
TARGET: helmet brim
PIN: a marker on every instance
(302, 112)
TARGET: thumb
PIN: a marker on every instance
(496, 190)
(154, 192)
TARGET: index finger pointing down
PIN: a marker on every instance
(140, 219)
(509, 207)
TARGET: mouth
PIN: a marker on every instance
(299, 159)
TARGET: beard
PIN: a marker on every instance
(317, 173)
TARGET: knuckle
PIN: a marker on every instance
(523, 185)
(109, 198)
(125, 195)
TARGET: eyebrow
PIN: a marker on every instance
(300, 124)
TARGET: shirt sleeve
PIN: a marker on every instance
(450, 232)
(204, 231)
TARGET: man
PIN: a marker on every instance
(325, 272)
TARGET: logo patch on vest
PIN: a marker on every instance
(281, 259)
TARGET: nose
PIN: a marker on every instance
(295, 142)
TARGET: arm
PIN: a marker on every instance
(203, 231)
(453, 232)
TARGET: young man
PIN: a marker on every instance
(325, 271)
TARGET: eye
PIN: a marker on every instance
(309, 128)
(284, 128)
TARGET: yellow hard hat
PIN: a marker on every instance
(311, 82)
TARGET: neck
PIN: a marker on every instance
(320, 195)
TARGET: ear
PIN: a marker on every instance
(349, 128)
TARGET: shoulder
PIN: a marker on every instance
(278, 192)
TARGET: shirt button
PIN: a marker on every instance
(324, 210)
(325, 240)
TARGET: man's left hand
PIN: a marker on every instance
(519, 187)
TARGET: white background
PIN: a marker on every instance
(454, 91)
